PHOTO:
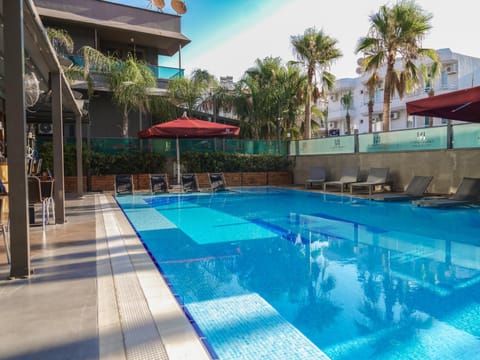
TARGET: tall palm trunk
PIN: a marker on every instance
(387, 94)
(308, 106)
(370, 115)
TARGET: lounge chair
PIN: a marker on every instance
(159, 183)
(189, 182)
(415, 190)
(468, 193)
(123, 184)
(217, 182)
(376, 177)
(316, 176)
(349, 175)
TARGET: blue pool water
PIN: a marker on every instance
(269, 273)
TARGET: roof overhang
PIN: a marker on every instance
(115, 21)
(40, 57)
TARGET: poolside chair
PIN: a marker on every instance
(376, 177)
(159, 183)
(123, 184)
(217, 182)
(3, 228)
(349, 175)
(189, 182)
(316, 176)
(41, 192)
(468, 193)
(415, 190)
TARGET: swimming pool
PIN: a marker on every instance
(270, 273)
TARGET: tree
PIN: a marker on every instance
(189, 93)
(429, 73)
(315, 51)
(347, 102)
(266, 99)
(129, 83)
(396, 32)
(372, 85)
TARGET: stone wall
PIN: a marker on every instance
(447, 167)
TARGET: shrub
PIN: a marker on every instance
(226, 162)
(96, 163)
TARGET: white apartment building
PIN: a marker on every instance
(457, 72)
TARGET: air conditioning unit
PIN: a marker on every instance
(451, 69)
(394, 115)
(45, 129)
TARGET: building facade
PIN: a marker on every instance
(457, 72)
(114, 29)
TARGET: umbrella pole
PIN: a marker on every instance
(178, 162)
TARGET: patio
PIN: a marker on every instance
(94, 294)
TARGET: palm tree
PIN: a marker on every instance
(188, 93)
(347, 102)
(396, 31)
(316, 51)
(372, 85)
(429, 73)
(266, 99)
(129, 83)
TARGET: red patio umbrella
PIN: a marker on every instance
(185, 127)
(461, 105)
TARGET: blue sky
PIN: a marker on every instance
(229, 35)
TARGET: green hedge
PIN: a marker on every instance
(143, 163)
(105, 164)
(227, 162)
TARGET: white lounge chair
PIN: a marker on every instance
(376, 177)
(349, 175)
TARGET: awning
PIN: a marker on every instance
(461, 105)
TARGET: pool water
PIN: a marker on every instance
(270, 273)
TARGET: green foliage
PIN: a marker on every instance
(97, 163)
(226, 162)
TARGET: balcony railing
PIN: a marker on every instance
(160, 72)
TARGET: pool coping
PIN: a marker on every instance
(131, 291)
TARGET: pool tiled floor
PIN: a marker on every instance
(94, 294)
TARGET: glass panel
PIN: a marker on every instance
(160, 72)
(434, 138)
(168, 146)
(466, 136)
(329, 145)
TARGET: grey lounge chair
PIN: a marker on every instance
(415, 190)
(468, 193)
(376, 177)
(217, 182)
(123, 184)
(159, 183)
(189, 182)
(316, 176)
(349, 175)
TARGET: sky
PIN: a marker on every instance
(227, 36)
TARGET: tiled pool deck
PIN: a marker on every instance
(94, 294)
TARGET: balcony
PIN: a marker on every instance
(160, 72)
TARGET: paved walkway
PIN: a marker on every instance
(94, 294)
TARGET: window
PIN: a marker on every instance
(444, 80)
